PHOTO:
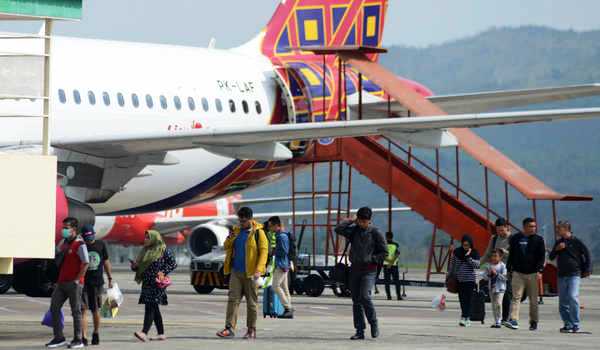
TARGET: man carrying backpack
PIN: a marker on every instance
(282, 265)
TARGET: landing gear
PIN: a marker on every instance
(5, 283)
(203, 289)
(35, 278)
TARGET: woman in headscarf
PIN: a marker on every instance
(152, 265)
(464, 262)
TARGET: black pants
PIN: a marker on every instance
(152, 314)
(465, 296)
(506, 301)
(361, 285)
(389, 273)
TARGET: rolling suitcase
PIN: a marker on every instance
(478, 306)
(272, 306)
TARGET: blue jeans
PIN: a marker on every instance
(568, 300)
(361, 286)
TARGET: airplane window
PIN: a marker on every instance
(149, 101)
(205, 104)
(92, 97)
(191, 103)
(163, 102)
(76, 96)
(219, 105)
(106, 98)
(245, 107)
(61, 96)
(258, 107)
(177, 102)
(232, 106)
(135, 101)
(121, 99)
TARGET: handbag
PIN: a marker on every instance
(341, 271)
(164, 283)
(451, 280)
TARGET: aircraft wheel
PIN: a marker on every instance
(203, 289)
(314, 285)
(5, 283)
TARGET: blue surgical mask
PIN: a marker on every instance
(66, 233)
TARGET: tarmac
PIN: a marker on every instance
(191, 321)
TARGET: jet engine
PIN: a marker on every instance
(205, 237)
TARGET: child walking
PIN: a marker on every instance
(496, 276)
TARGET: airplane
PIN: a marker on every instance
(141, 128)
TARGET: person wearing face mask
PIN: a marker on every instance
(368, 250)
(152, 266)
(73, 260)
(94, 281)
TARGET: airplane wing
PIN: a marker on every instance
(171, 225)
(263, 142)
(481, 101)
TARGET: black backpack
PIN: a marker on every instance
(293, 252)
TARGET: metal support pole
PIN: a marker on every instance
(294, 199)
(324, 87)
(534, 210)
(314, 214)
(46, 114)
(389, 106)
(431, 253)
(487, 198)
(390, 184)
(339, 99)
(328, 231)
(507, 202)
(554, 222)
(457, 173)
(360, 96)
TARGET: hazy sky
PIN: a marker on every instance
(232, 22)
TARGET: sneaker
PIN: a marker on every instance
(374, 330)
(76, 344)
(287, 314)
(84, 341)
(56, 343)
(533, 326)
(512, 324)
(468, 323)
(226, 333)
(462, 322)
(358, 336)
(95, 339)
(250, 334)
(575, 329)
(497, 325)
(565, 329)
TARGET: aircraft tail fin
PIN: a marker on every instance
(298, 23)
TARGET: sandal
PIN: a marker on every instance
(161, 337)
(141, 336)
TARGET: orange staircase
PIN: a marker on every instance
(411, 187)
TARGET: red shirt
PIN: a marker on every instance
(71, 265)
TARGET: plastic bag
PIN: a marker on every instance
(439, 302)
(107, 310)
(47, 320)
(114, 296)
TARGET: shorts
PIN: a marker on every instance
(92, 297)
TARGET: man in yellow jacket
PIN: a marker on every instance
(246, 250)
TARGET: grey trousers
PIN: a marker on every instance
(64, 291)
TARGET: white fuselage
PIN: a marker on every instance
(115, 69)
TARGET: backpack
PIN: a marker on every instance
(293, 251)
